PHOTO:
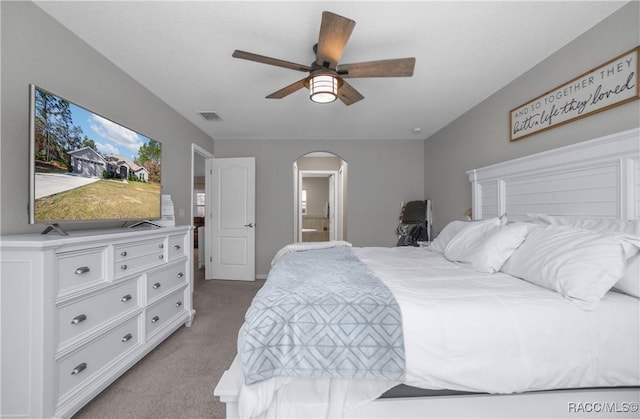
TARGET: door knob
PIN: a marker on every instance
(249, 225)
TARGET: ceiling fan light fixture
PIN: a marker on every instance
(323, 88)
(326, 76)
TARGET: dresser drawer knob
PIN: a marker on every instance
(156, 285)
(123, 267)
(161, 246)
(179, 303)
(176, 247)
(126, 298)
(180, 275)
(160, 256)
(155, 319)
(123, 253)
(127, 337)
(77, 370)
(82, 270)
(79, 319)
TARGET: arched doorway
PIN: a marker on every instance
(320, 186)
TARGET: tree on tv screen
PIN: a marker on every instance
(149, 156)
(55, 132)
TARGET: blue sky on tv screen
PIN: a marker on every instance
(110, 138)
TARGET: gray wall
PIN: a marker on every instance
(319, 163)
(481, 136)
(317, 194)
(38, 50)
(382, 174)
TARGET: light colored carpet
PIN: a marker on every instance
(176, 380)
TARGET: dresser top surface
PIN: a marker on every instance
(53, 239)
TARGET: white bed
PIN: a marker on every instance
(506, 340)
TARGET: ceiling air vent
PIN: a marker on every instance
(210, 116)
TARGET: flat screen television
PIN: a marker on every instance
(87, 168)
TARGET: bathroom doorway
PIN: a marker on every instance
(319, 197)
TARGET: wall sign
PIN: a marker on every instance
(611, 84)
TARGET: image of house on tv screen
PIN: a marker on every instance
(89, 168)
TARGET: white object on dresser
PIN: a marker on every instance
(167, 216)
(78, 311)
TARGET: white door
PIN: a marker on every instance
(233, 219)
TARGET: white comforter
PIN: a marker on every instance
(472, 331)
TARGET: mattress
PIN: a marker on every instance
(475, 332)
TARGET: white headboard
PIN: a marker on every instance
(594, 178)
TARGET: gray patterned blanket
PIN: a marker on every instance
(322, 313)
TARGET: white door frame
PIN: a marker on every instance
(196, 150)
(297, 221)
(340, 196)
(335, 207)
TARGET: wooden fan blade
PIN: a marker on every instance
(401, 67)
(285, 91)
(335, 31)
(268, 60)
(348, 95)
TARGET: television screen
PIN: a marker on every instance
(87, 168)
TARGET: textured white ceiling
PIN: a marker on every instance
(465, 51)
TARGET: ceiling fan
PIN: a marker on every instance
(326, 77)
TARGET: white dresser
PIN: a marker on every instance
(78, 311)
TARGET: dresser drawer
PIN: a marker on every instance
(177, 246)
(133, 257)
(75, 369)
(81, 268)
(160, 313)
(83, 315)
(162, 281)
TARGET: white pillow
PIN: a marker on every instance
(486, 246)
(601, 225)
(630, 281)
(448, 232)
(453, 228)
(579, 264)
